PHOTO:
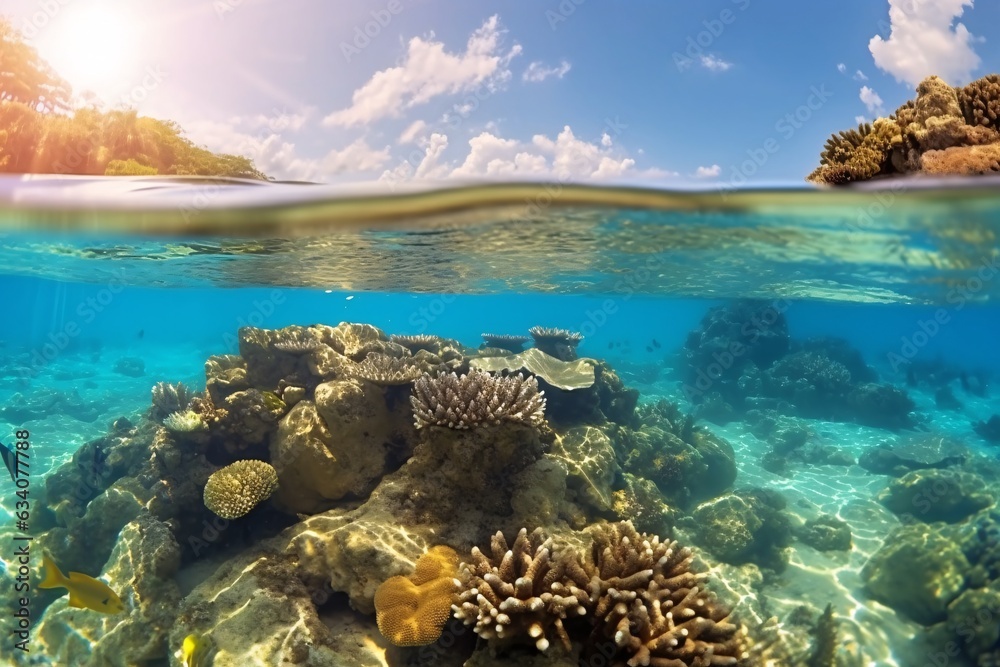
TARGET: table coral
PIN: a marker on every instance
(576, 374)
(476, 399)
(559, 343)
(412, 611)
(233, 491)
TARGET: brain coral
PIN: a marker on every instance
(233, 491)
(412, 611)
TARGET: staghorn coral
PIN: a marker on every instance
(187, 421)
(169, 398)
(507, 342)
(383, 369)
(412, 611)
(233, 491)
(650, 602)
(527, 589)
(559, 343)
(476, 399)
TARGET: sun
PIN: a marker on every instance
(92, 45)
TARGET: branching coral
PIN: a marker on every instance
(526, 589)
(412, 611)
(233, 491)
(944, 130)
(476, 399)
(653, 605)
(558, 343)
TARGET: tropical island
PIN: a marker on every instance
(42, 131)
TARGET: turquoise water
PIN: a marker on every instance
(842, 348)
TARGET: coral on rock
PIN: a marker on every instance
(187, 421)
(521, 592)
(654, 606)
(559, 343)
(385, 370)
(944, 130)
(506, 342)
(412, 611)
(233, 491)
(476, 399)
(169, 398)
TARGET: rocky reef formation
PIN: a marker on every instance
(322, 465)
(741, 358)
(945, 130)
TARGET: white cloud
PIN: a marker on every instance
(860, 76)
(280, 121)
(923, 41)
(566, 158)
(427, 72)
(415, 130)
(871, 99)
(860, 119)
(356, 157)
(841, 67)
(606, 140)
(714, 63)
(537, 72)
(708, 172)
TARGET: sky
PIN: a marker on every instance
(717, 93)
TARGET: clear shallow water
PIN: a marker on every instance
(95, 319)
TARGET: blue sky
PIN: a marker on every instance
(659, 93)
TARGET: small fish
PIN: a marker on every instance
(196, 651)
(656, 344)
(9, 460)
(142, 332)
(649, 349)
(85, 592)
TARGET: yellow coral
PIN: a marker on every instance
(412, 611)
(236, 489)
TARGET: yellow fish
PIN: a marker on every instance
(85, 592)
(195, 651)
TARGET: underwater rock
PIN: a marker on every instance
(936, 495)
(336, 446)
(243, 422)
(989, 430)
(540, 495)
(47, 403)
(688, 463)
(825, 533)
(917, 572)
(131, 366)
(973, 624)
(714, 408)
(814, 384)
(141, 569)
(225, 374)
(728, 339)
(945, 399)
(748, 526)
(918, 452)
(589, 455)
(881, 405)
(842, 352)
(640, 502)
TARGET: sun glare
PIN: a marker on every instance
(92, 46)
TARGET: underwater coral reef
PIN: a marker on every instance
(339, 496)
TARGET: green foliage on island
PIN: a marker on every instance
(40, 132)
